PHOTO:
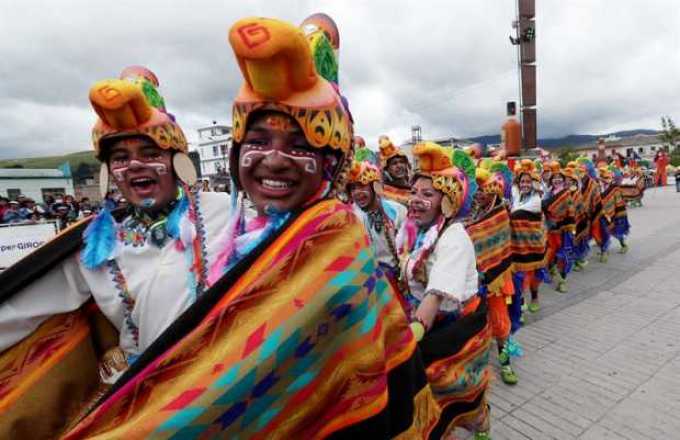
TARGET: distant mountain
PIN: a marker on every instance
(572, 140)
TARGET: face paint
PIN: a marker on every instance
(158, 167)
(306, 160)
(148, 203)
(417, 203)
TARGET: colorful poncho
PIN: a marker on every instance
(633, 191)
(397, 194)
(529, 241)
(492, 236)
(582, 219)
(561, 224)
(620, 226)
(303, 338)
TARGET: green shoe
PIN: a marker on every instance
(534, 307)
(624, 249)
(553, 271)
(562, 286)
(524, 307)
(508, 376)
(578, 267)
(521, 319)
(604, 257)
(482, 436)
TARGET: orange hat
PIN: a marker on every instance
(571, 171)
(280, 75)
(388, 150)
(526, 166)
(452, 173)
(364, 173)
(132, 106)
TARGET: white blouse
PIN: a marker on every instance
(157, 278)
(451, 269)
(532, 203)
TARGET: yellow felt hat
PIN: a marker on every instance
(132, 106)
(452, 173)
(280, 74)
(388, 150)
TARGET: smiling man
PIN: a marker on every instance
(382, 218)
(396, 170)
(143, 265)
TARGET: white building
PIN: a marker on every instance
(34, 183)
(213, 147)
(642, 146)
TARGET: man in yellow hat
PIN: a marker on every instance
(143, 265)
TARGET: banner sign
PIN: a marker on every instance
(17, 241)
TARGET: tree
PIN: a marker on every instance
(566, 155)
(670, 134)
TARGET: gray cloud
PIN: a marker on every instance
(448, 66)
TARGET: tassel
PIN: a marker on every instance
(100, 240)
(513, 348)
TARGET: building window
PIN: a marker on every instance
(214, 150)
(641, 150)
(13, 193)
(653, 148)
(54, 192)
(224, 150)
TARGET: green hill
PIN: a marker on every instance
(75, 159)
(83, 164)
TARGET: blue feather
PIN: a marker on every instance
(100, 240)
(175, 216)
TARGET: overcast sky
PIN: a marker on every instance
(603, 65)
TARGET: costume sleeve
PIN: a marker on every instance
(454, 270)
(61, 290)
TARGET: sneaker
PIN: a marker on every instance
(604, 257)
(525, 307)
(578, 267)
(624, 249)
(553, 271)
(508, 376)
(562, 286)
(534, 307)
(482, 436)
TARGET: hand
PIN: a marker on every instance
(427, 310)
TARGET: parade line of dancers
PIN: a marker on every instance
(339, 291)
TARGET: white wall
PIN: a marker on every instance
(33, 187)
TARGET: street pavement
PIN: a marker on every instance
(603, 360)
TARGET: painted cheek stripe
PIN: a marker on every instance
(309, 164)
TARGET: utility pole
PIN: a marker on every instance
(525, 40)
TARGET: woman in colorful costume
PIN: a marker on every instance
(489, 228)
(591, 195)
(300, 335)
(143, 266)
(620, 226)
(439, 268)
(382, 218)
(396, 170)
(572, 176)
(633, 185)
(529, 236)
(558, 207)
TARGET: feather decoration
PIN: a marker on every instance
(503, 170)
(175, 216)
(100, 240)
(513, 348)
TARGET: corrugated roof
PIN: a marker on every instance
(30, 172)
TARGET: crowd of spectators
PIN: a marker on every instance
(61, 209)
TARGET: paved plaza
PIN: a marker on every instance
(603, 361)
